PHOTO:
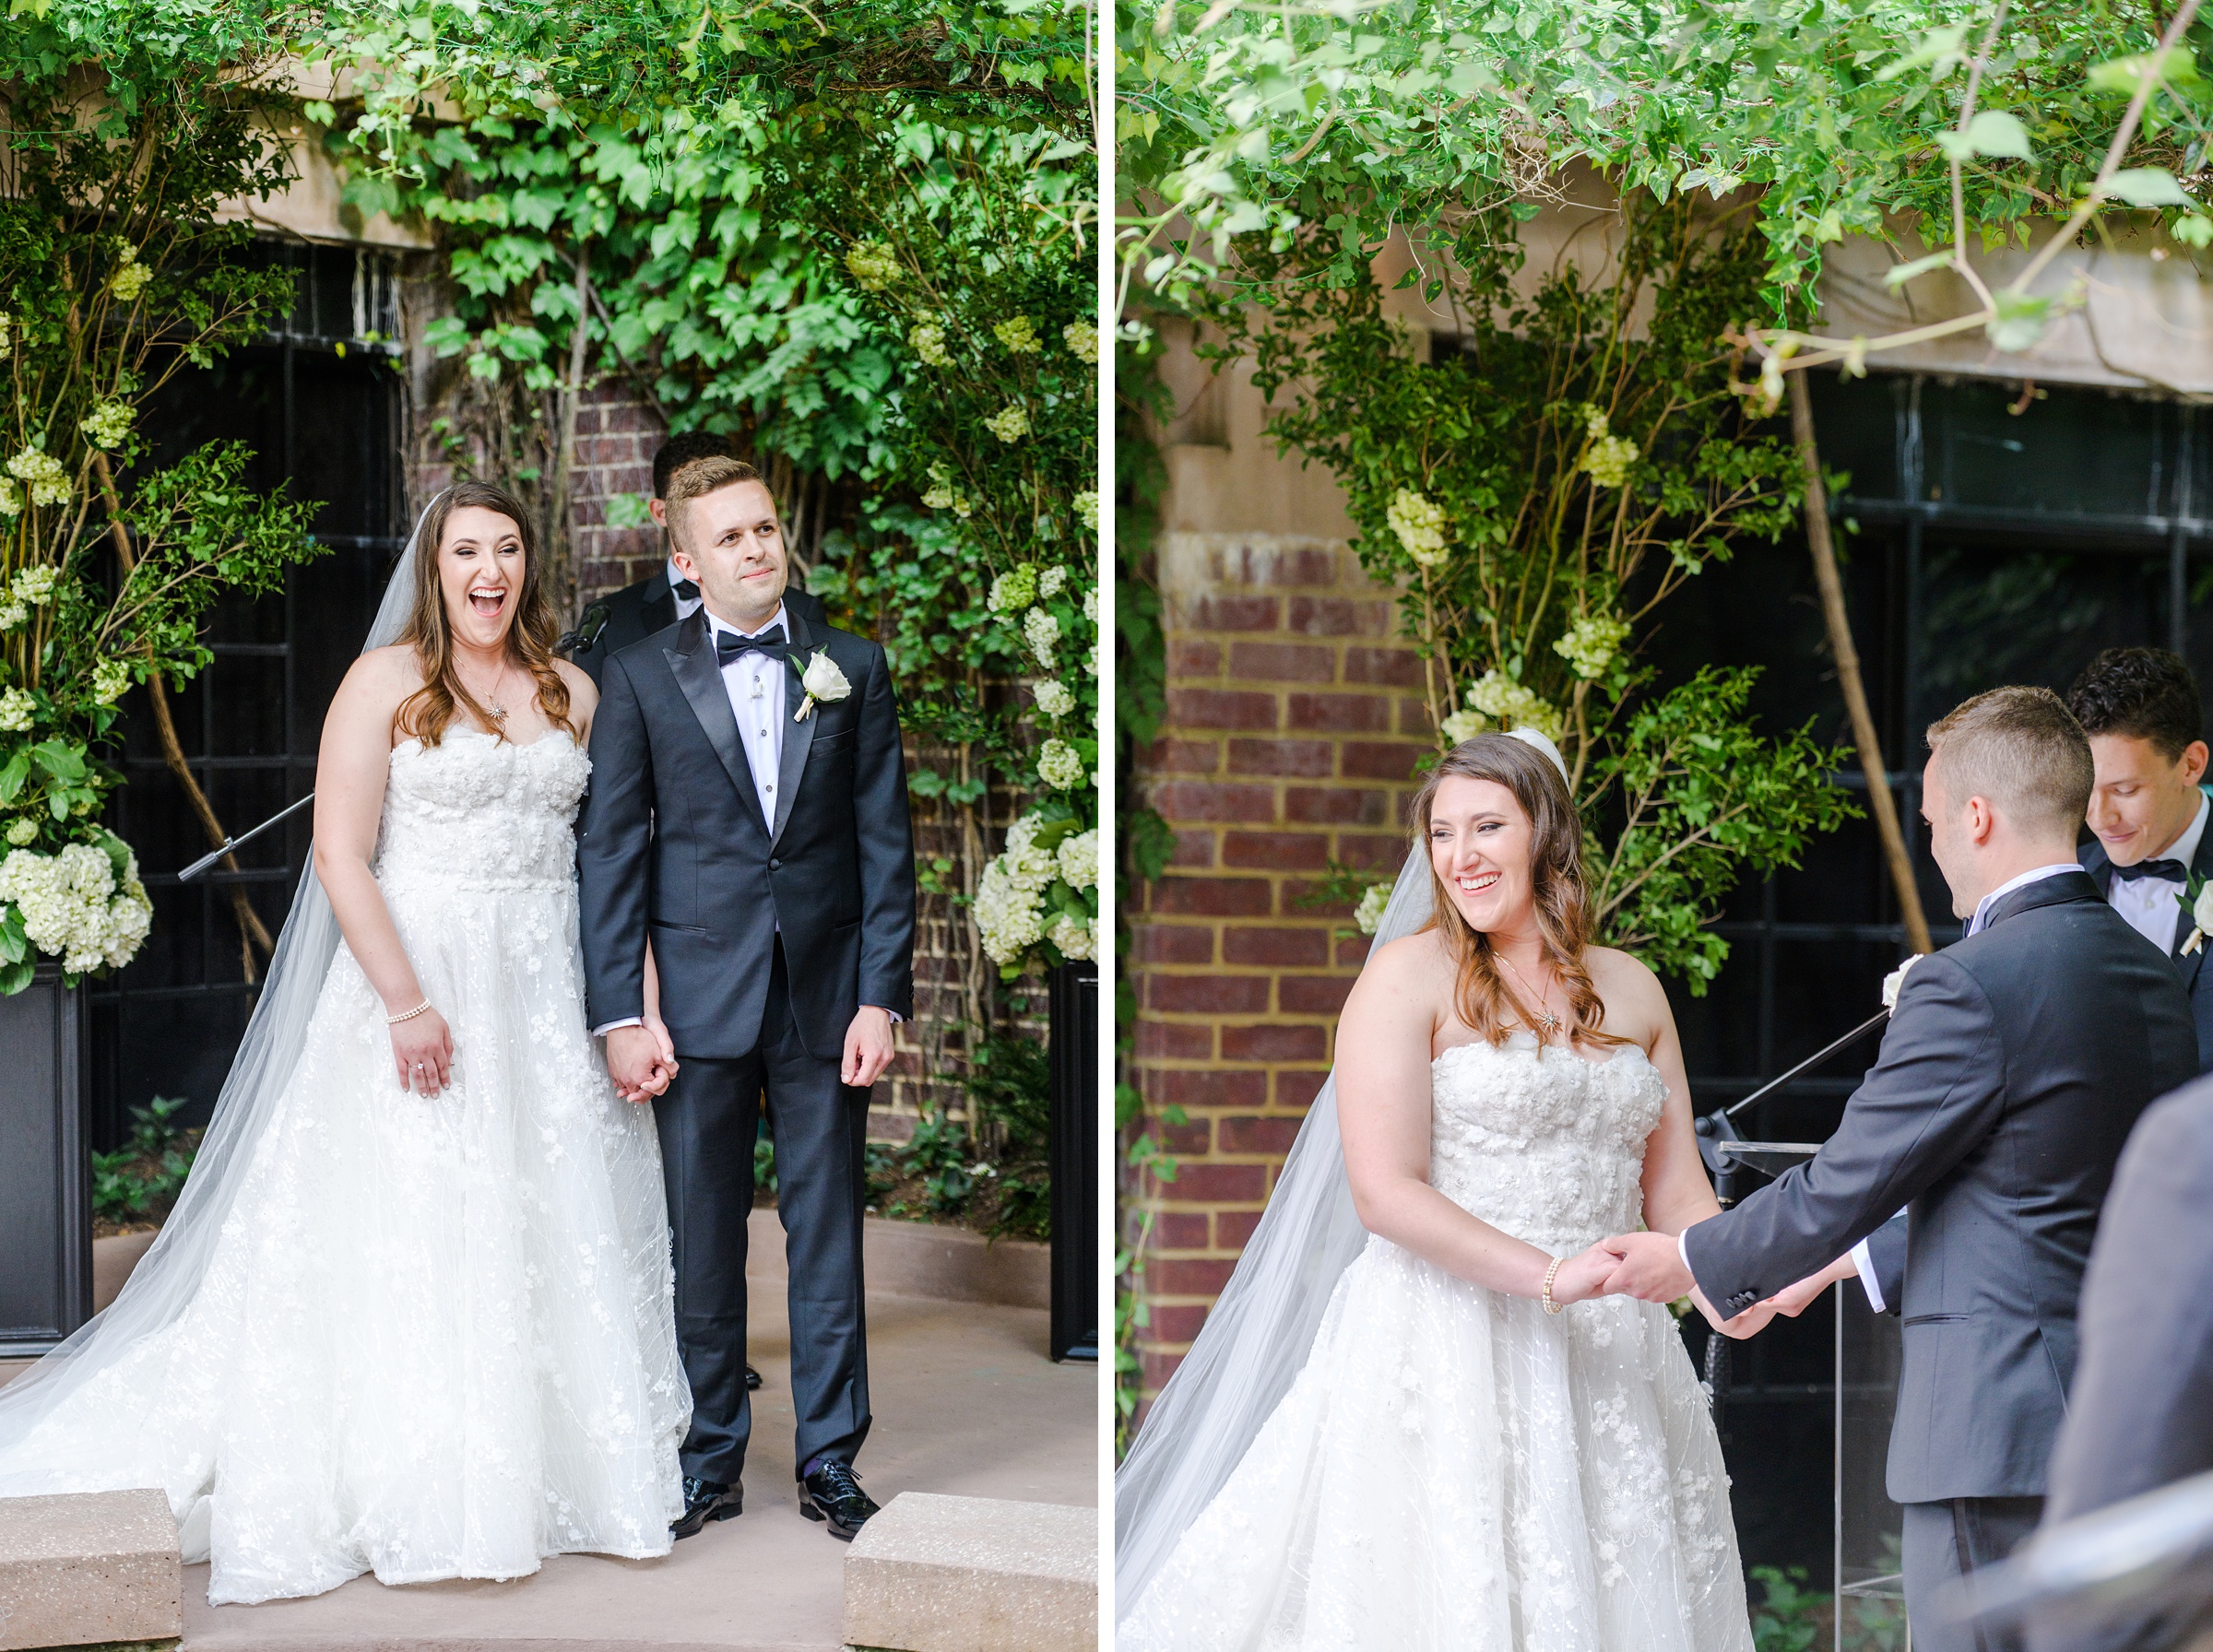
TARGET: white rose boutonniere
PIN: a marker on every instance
(824, 681)
(1897, 978)
(2199, 905)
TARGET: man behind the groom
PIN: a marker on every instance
(2013, 1065)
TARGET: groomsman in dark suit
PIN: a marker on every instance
(664, 595)
(2140, 708)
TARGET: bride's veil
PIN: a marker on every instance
(1259, 1333)
(164, 1284)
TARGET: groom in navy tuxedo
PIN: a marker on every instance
(748, 813)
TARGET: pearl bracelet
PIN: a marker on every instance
(394, 1020)
(1550, 1274)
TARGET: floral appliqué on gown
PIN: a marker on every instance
(437, 1338)
(1456, 1470)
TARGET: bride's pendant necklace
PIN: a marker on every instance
(491, 700)
(1546, 1020)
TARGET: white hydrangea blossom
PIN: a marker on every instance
(1608, 458)
(24, 831)
(1059, 765)
(7, 331)
(928, 341)
(72, 907)
(1591, 642)
(944, 495)
(42, 474)
(872, 266)
(14, 615)
(1011, 423)
(130, 278)
(1019, 334)
(1041, 631)
(1091, 660)
(1079, 860)
(15, 710)
(1087, 508)
(1368, 915)
(1073, 936)
(1503, 702)
(1052, 582)
(1082, 340)
(109, 678)
(1007, 907)
(1053, 698)
(1421, 526)
(1461, 725)
(11, 498)
(1091, 605)
(107, 424)
(35, 586)
(1016, 588)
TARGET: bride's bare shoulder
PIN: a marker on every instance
(1412, 963)
(1636, 1003)
(376, 683)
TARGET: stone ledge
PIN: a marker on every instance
(98, 1566)
(934, 1574)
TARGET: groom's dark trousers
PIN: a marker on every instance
(2013, 1068)
(707, 1123)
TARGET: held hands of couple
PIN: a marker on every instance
(640, 1061)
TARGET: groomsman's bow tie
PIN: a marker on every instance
(686, 590)
(2172, 870)
(728, 646)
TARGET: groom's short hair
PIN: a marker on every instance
(701, 477)
(2022, 750)
(2144, 693)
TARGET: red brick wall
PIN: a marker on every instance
(1294, 722)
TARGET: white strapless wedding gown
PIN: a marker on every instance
(437, 1336)
(1455, 1471)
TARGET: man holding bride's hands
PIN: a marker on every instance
(2014, 1066)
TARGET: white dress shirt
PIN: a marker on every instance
(2150, 905)
(754, 682)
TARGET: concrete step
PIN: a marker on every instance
(935, 1574)
(89, 1567)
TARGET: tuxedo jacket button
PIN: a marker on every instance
(776, 865)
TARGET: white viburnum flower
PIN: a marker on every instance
(872, 266)
(25, 830)
(1368, 915)
(1052, 582)
(15, 706)
(1461, 725)
(1087, 508)
(928, 341)
(42, 475)
(1011, 423)
(1082, 340)
(1608, 459)
(1509, 705)
(1091, 605)
(1008, 909)
(74, 908)
(1073, 936)
(130, 278)
(1421, 526)
(1041, 631)
(7, 332)
(35, 586)
(1059, 765)
(111, 679)
(1053, 698)
(1019, 335)
(1016, 588)
(107, 424)
(1591, 642)
(11, 498)
(1079, 859)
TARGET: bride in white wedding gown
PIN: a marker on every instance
(414, 1312)
(1471, 1449)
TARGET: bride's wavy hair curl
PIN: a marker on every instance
(430, 711)
(1484, 999)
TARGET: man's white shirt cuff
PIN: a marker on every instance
(1864, 1260)
(627, 1020)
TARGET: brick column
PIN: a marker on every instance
(1294, 722)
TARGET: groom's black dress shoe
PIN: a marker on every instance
(831, 1495)
(705, 1501)
(752, 1377)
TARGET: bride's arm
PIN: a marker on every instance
(350, 770)
(1384, 1114)
(1676, 1192)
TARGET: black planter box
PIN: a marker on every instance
(45, 1168)
(1075, 1161)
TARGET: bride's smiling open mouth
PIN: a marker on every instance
(488, 600)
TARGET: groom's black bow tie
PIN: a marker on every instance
(2172, 870)
(728, 646)
(686, 590)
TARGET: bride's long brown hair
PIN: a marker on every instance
(427, 713)
(1484, 999)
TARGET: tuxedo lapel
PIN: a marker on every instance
(694, 664)
(798, 736)
(2201, 866)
